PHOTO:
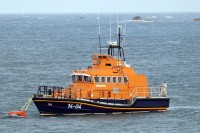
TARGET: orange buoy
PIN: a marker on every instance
(19, 113)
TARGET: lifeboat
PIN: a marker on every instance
(109, 85)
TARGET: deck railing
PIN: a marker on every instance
(48, 91)
(160, 91)
(60, 92)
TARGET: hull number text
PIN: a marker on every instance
(74, 106)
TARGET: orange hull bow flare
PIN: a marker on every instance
(19, 113)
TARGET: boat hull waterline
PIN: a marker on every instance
(53, 106)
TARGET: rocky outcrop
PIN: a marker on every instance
(196, 19)
(137, 18)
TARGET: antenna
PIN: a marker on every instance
(124, 32)
(99, 33)
(117, 45)
(119, 36)
(117, 23)
(119, 41)
(110, 31)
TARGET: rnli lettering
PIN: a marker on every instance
(74, 106)
(100, 85)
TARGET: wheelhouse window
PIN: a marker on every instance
(103, 79)
(73, 79)
(87, 78)
(108, 79)
(120, 79)
(114, 79)
(96, 79)
(125, 79)
(78, 78)
(81, 77)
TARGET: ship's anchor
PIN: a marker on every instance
(22, 111)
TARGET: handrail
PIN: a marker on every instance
(60, 92)
(160, 91)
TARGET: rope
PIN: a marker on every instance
(26, 105)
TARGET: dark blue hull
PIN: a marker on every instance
(58, 106)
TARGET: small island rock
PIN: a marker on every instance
(137, 18)
(196, 19)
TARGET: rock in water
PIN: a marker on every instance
(196, 19)
(137, 18)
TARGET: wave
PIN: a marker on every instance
(169, 17)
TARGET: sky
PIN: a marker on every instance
(98, 6)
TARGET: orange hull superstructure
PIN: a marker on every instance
(108, 77)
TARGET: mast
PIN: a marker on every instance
(99, 34)
(110, 30)
(117, 45)
(119, 40)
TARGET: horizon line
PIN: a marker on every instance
(93, 12)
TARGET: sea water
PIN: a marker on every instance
(43, 49)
